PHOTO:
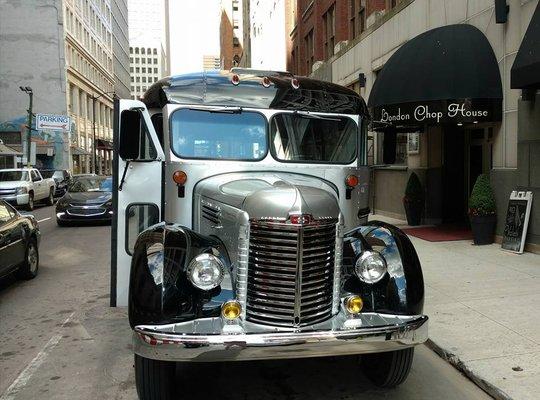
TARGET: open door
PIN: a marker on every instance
(137, 188)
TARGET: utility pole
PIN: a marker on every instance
(28, 90)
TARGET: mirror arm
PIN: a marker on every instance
(123, 176)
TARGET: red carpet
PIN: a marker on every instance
(441, 233)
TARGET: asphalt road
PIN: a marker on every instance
(59, 339)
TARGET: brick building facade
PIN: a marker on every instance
(318, 29)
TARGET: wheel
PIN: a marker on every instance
(29, 269)
(388, 369)
(61, 223)
(154, 379)
(30, 205)
(50, 199)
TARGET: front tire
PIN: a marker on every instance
(50, 199)
(29, 269)
(389, 369)
(30, 205)
(154, 378)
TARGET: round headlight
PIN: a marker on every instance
(370, 267)
(206, 271)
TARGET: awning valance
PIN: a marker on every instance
(447, 74)
(525, 73)
(8, 151)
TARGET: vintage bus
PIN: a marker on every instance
(241, 229)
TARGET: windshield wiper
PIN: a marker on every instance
(305, 114)
(219, 110)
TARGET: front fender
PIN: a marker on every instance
(401, 291)
(159, 291)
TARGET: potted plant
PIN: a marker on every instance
(414, 200)
(482, 211)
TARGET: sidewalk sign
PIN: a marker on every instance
(53, 122)
(517, 221)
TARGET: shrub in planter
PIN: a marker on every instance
(482, 211)
(414, 200)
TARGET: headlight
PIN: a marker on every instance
(22, 190)
(206, 271)
(370, 267)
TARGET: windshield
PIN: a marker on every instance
(218, 135)
(6, 176)
(309, 138)
(90, 184)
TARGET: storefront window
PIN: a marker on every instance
(394, 147)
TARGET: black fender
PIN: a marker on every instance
(401, 290)
(159, 290)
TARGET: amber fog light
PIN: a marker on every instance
(354, 304)
(231, 309)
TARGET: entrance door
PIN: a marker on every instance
(454, 188)
(479, 155)
(137, 182)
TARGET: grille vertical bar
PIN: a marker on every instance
(291, 273)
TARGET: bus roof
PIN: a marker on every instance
(216, 88)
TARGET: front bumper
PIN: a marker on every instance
(370, 333)
(70, 214)
(16, 199)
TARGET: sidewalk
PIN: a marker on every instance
(484, 309)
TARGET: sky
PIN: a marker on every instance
(194, 27)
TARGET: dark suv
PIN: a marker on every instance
(61, 178)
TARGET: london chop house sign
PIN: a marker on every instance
(436, 112)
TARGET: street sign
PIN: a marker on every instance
(52, 122)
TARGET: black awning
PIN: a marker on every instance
(525, 72)
(447, 74)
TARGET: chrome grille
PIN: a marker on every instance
(290, 273)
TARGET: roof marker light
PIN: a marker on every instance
(294, 83)
(235, 79)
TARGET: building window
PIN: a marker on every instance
(155, 71)
(136, 50)
(143, 50)
(394, 148)
(236, 42)
(137, 69)
(143, 60)
(154, 51)
(143, 70)
(357, 22)
(137, 59)
(130, 69)
(308, 41)
(155, 60)
(329, 26)
(149, 60)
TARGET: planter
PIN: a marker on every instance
(413, 211)
(483, 227)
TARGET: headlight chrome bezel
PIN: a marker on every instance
(370, 258)
(197, 263)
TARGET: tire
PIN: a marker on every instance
(389, 369)
(29, 269)
(30, 205)
(154, 378)
(50, 200)
(61, 223)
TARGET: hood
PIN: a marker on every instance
(88, 197)
(10, 184)
(272, 194)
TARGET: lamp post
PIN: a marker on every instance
(94, 99)
(28, 90)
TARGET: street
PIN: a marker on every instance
(59, 339)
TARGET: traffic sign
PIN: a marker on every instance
(53, 122)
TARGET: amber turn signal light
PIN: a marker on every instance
(351, 181)
(354, 304)
(231, 309)
(179, 177)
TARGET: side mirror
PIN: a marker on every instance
(130, 134)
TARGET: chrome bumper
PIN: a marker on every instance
(168, 342)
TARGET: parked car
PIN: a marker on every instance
(61, 179)
(19, 243)
(88, 198)
(24, 186)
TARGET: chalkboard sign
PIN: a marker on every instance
(517, 220)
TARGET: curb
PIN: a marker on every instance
(487, 387)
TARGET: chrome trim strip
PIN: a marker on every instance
(242, 270)
(338, 256)
(160, 343)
